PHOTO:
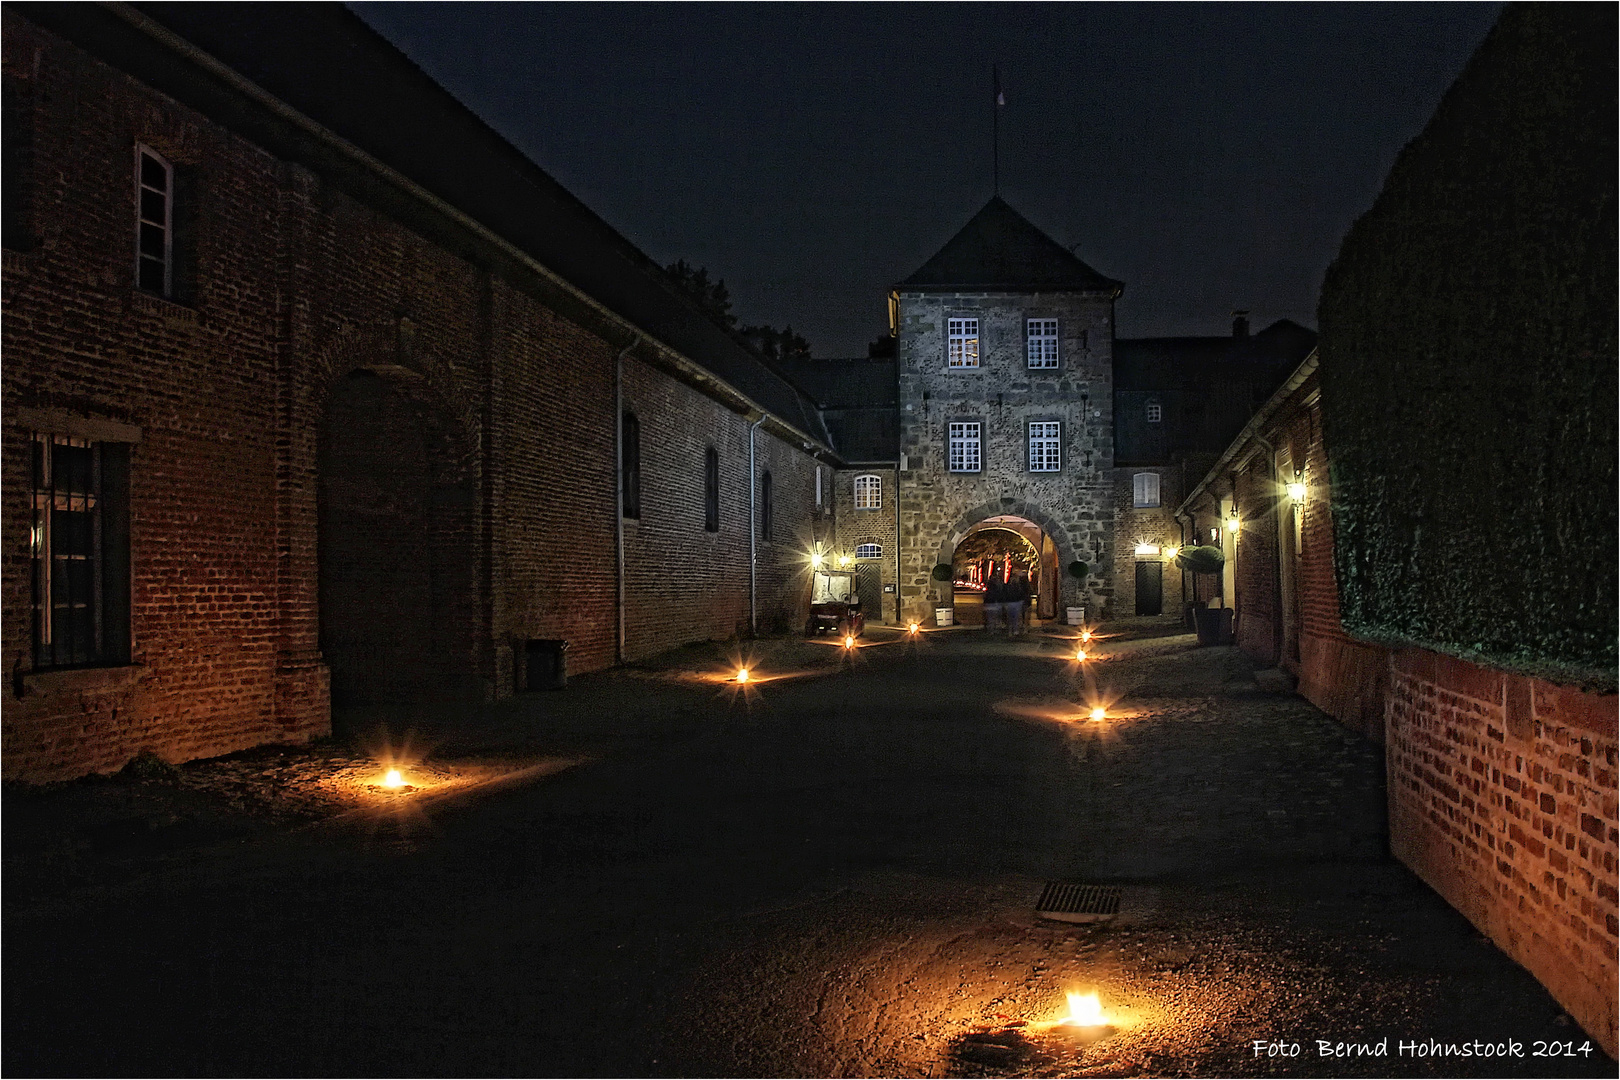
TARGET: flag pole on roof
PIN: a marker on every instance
(995, 129)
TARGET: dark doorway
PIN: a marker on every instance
(869, 587)
(1149, 588)
(398, 604)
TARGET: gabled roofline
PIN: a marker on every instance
(1256, 422)
(621, 332)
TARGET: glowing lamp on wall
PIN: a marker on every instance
(1234, 523)
(1171, 551)
(843, 560)
(1147, 549)
(1296, 491)
(816, 559)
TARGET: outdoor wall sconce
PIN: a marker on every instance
(1234, 523)
(843, 560)
(1171, 552)
(1147, 549)
(1296, 491)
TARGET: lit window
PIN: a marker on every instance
(154, 222)
(1154, 412)
(1041, 343)
(80, 552)
(1045, 454)
(868, 493)
(869, 551)
(1145, 489)
(964, 446)
(964, 342)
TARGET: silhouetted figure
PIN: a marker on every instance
(995, 601)
(1014, 599)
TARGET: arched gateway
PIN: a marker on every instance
(998, 538)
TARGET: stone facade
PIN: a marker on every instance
(1004, 395)
(1144, 527)
(864, 526)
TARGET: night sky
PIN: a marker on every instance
(1211, 156)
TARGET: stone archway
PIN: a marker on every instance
(397, 554)
(1054, 547)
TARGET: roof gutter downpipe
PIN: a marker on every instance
(753, 533)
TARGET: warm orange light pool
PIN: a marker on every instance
(1099, 713)
(849, 641)
(913, 628)
(1084, 1011)
(742, 674)
(1085, 635)
(392, 778)
(1081, 655)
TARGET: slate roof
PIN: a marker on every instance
(1000, 250)
(860, 404)
(325, 63)
(1171, 363)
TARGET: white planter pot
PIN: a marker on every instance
(944, 616)
(1077, 616)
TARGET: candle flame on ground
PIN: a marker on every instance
(1085, 635)
(913, 628)
(1081, 655)
(849, 641)
(392, 778)
(1084, 1010)
(1099, 713)
(742, 674)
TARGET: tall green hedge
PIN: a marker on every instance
(1468, 352)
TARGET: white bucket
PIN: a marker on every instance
(1077, 616)
(944, 616)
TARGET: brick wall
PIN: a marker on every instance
(856, 527)
(1258, 623)
(1502, 798)
(341, 435)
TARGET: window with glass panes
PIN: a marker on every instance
(963, 341)
(1145, 489)
(1041, 340)
(964, 446)
(154, 222)
(1045, 453)
(868, 493)
(869, 551)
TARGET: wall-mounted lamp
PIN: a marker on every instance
(1147, 549)
(1171, 552)
(1296, 491)
(1234, 523)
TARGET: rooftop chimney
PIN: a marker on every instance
(1240, 324)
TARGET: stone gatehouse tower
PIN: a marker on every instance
(1004, 366)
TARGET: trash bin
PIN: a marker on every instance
(545, 664)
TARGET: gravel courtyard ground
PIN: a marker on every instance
(829, 872)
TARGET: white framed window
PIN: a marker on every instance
(1045, 446)
(1155, 413)
(963, 335)
(1145, 489)
(154, 222)
(869, 551)
(868, 492)
(964, 446)
(1041, 343)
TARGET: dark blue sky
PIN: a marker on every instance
(1210, 156)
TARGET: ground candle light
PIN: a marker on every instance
(392, 778)
(1098, 713)
(742, 674)
(849, 641)
(913, 628)
(1085, 1010)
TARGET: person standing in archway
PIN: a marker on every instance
(995, 600)
(1015, 598)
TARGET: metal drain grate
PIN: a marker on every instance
(1078, 903)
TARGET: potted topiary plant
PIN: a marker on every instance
(1214, 625)
(945, 612)
(1078, 570)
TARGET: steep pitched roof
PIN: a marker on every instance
(859, 402)
(999, 249)
(322, 63)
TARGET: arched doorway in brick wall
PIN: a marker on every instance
(999, 545)
(397, 543)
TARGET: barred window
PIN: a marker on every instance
(1041, 343)
(869, 551)
(79, 545)
(964, 446)
(1045, 446)
(1154, 412)
(963, 337)
(868, 492)
(154, 222)
(1145, 489)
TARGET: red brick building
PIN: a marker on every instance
(317, 390)
(1451, 592)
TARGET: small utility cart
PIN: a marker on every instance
(835, 605)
